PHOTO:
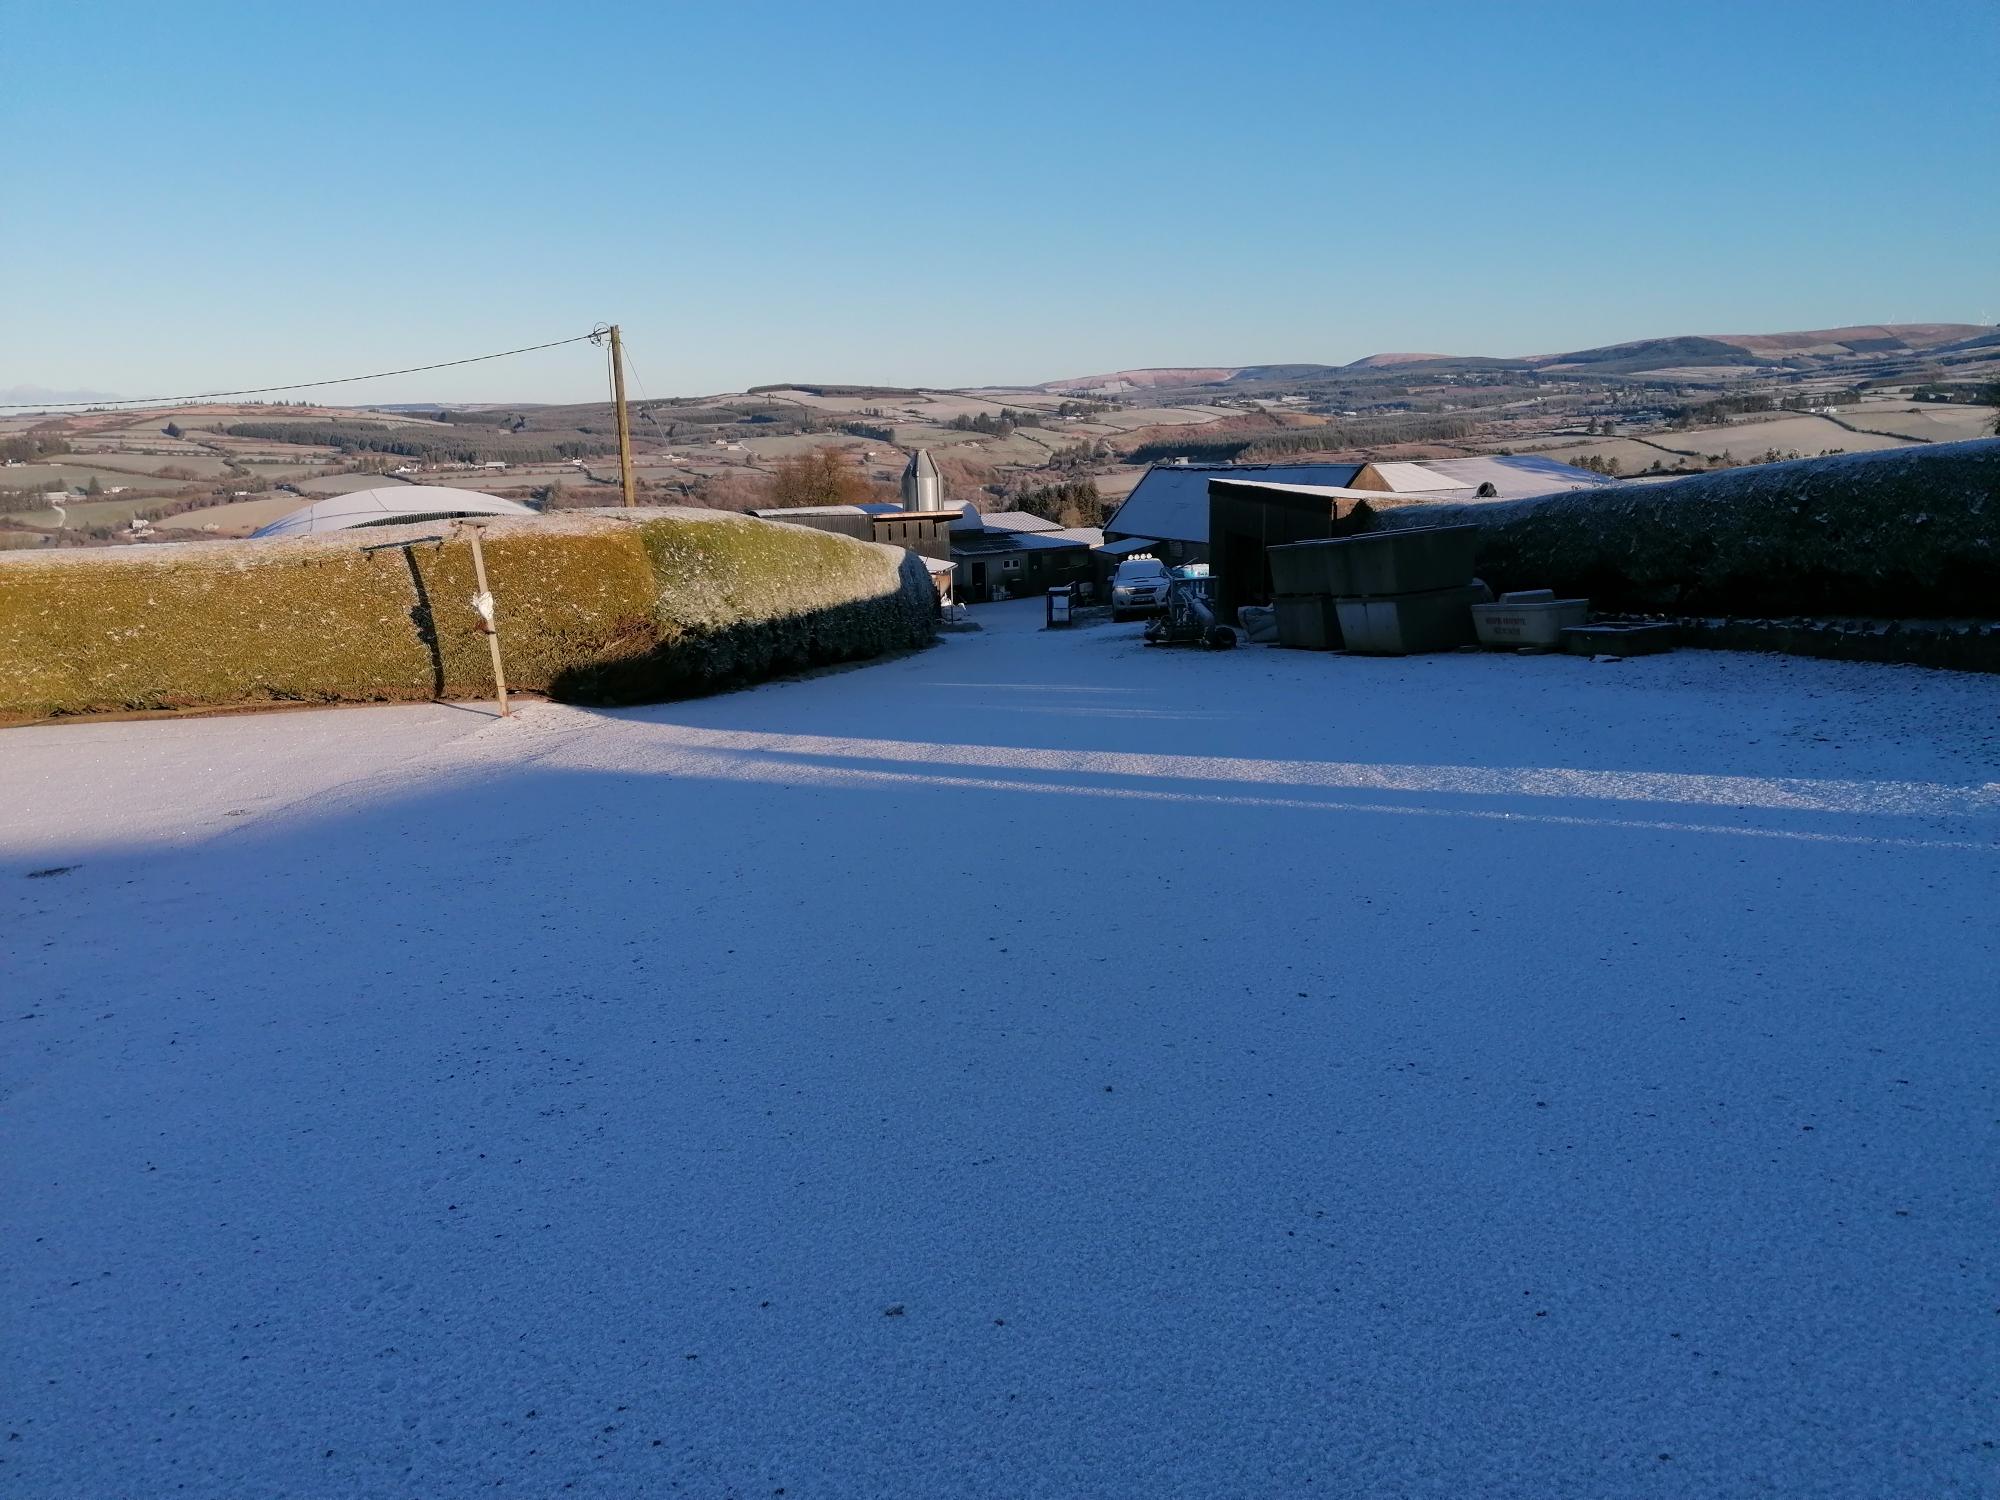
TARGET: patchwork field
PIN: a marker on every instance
(86, 513)
(197, 462)
(237, 517)
(1631, 455)
(79, 476)
(1938, 424)
(1805, 435)
(1789, 433)
(793, 444)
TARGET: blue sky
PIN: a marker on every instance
(203, 196)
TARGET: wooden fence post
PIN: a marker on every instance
(483, 602)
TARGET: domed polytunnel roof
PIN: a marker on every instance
(390, 505)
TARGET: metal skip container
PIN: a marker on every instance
(1412, 561)
(1407, 591)
(1407, 624)
(1308, 622)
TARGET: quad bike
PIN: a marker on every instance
(1189, 618)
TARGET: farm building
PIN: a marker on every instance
(1247, 517)
(1169, 508)
(391, 505)
(926, 533)
(845, 520)
(1010, 553)
(1167, 511)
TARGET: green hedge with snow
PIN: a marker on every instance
(592, 607)
(1904, 533)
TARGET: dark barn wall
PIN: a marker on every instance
(928, 536)
(1244, 522)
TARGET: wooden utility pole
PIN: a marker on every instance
(624, 422)
(483, 603)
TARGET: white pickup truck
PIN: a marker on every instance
(1138, 587)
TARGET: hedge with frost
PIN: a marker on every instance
(592, 607)
(1904, 533)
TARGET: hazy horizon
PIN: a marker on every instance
(26, 394)
(914, 198)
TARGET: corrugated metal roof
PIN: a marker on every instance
(1170, 502)
(1015, 520)
(1051, 541)
(986, 543)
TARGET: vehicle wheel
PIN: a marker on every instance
(1220, 638)
(1119, 617)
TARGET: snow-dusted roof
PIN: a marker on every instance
(390, 505)
(1421, 478)
(1170, 501)
(1051, 540)
(1015, 520)
(780, 512)
(1125, 548)
(1514, 475)
(1323, 491)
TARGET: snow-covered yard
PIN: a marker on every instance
(1039, 1066)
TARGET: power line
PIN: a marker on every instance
(268, 390)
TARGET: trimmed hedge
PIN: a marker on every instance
(617, 606)
(1906, 533)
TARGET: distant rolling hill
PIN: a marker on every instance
(1142, 380)
(1804, 349)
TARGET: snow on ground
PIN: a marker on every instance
(1038, 1066)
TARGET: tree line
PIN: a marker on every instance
(423, 444)
(1334, 435)
(34, 444)
(1071, 502)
